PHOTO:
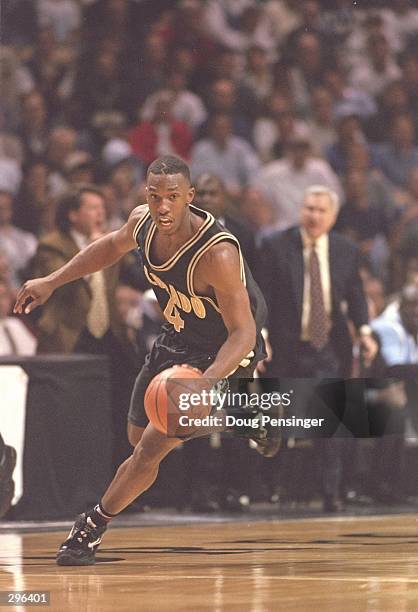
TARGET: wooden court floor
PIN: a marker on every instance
(349, 564)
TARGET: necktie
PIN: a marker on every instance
(12, 343)
(318, 321)
(98, 315)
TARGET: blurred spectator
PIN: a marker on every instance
(34, 209)
(409, 65)
(408, 222)
(308, 66)
(186, 106)
(224, 96)
(394, 100)
(79, 168)
(188, 28)
(401, 23)
(61, 144)
(152, 67)
(348, 100)
(273, 132)
(230, 157)
(62, 16)
(377, 68)
(118, 21)
(211, 196)
(19, 23)
(49, 66)
(15, 337)
(10, 145)
(10, 175)
(367, 222)
(285, 181)
(379, 188)
(338, 22)
(258, 212)
(80, 316)
(16, 82)
(284, 17)
(397, 156)
(161, 134)
(321, 125)
(100, 87)
(18, 246)
(374, 291)
(258, 75)
(6, 272)
(350, 132)
(34, 125)
(238, 25)
(7, 485)
(355, 49)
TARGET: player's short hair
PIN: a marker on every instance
(169, 164)
(71, 200)
(322, 190)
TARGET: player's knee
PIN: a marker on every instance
(134, 434)
(146, 455)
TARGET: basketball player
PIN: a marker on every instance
(214, 312)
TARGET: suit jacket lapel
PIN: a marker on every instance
(333, 268)
(297, 270)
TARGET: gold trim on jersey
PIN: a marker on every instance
(208, 222)
(221, 237)
(140, 223)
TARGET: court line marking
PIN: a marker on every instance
(390, 580)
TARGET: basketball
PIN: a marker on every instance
(162, 400)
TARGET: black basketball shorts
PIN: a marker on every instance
(167, 352)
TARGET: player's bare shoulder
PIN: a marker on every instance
(221, 261)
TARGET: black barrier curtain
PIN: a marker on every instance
(68, 435)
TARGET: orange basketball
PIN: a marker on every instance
(163, 395)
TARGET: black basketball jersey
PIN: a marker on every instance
(195, 318)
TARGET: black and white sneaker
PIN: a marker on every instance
(267, 439)
(82, 542)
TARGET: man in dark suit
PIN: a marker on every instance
(211, 196)
(310, 277)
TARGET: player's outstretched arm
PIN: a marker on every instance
(221, 270)
(100, 254)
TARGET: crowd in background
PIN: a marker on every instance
(271, 97)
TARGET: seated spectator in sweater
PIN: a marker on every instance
(161, 134)
(228, 156)
(399, 154)
(18, 246)
(15, 337)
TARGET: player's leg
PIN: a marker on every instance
(133, 477)
(139, 471)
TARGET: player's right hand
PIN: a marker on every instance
(37, 291)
